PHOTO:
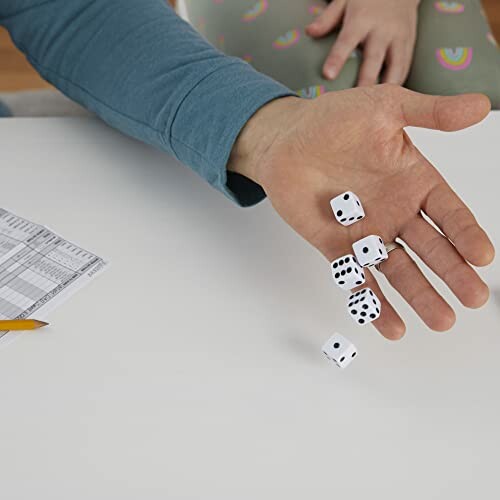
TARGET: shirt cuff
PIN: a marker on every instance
(229, 96)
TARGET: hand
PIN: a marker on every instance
(305, 152)
(386, 28)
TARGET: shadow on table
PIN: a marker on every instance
(302, 345)
(254, 245)
(259, 247)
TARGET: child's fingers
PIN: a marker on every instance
(374, 54)
(346, 42)
(327, 20)
(398, 63)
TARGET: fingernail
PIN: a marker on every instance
(331, 73)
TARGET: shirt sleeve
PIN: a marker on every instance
(148, 73)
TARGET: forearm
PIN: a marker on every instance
(146, 72)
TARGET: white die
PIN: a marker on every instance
(347, 273)
(370, 250)
(347, 208)
(364, 306)
(339, 350)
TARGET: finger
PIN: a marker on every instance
(389, 323)
(442, 113)
(374, 53)
(398, 64)
(456, 221)
(327, 20)
(442, 258)
(346, 42)
(404, 275)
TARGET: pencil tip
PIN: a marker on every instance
(41, 323)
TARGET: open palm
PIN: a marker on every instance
(355, 140)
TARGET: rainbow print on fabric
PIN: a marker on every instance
(491, 39)
(311, 92)
(289, 39)
(449, 7)
(315, 10)
(248, 58)
(257, 10)
(454, 59)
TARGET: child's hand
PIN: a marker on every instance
(385, 28)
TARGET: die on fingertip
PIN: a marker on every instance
(347, 208)
(347, 273)
(339, 350)
(370, 250)
(364, 306)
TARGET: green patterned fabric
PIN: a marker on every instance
(455, 50)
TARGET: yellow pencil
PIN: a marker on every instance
(21, 324)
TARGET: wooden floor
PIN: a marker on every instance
(17, 74)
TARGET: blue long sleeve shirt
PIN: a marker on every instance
(148, 73)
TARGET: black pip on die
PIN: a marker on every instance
(364, 306)
(339, 350)
(347, 208)
(347, 273)
(370, 250)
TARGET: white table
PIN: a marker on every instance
(231, 397)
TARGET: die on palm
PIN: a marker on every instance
(347, 208)
(370, 250)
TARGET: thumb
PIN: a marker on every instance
(443, 113)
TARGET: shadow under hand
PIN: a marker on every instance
(302, 345)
